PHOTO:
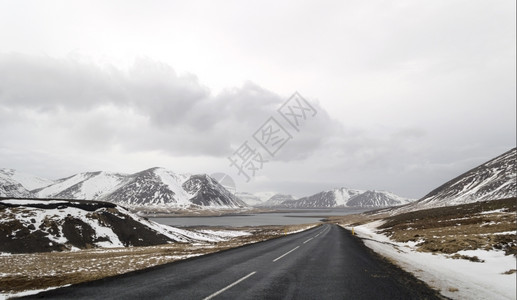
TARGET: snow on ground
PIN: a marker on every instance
(37, 217)
(495, 211)
(225, 233)
(455, 278)
(28, 293)
(301, 229)
(29, 202)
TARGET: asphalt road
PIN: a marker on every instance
(326, 262)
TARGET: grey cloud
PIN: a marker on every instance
(147, 108)
(44, 83)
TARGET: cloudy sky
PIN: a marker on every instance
(408, 94)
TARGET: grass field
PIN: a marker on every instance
(483, 225)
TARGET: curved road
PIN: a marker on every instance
(325, 262)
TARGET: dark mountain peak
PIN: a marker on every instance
(208, 192)
(494, 179)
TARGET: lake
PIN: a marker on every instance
(292, 217)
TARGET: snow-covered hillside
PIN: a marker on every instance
(28, 181)
(249, 198)
(12, 188)
(155, 187)
(276, 200)
(54, 225)
(343, 197)
(17, 184)
(263, 199)
(90, 185)
(495, 179)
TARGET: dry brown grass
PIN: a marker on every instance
(21, 272)
(483, 225)
(355, 219)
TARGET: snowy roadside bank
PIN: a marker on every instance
(454, 278)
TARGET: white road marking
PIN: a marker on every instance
(307, 240)
(322, 231)
(229, 286)
(285, 254)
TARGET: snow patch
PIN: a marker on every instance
(28, 293)
(473, 280)
(29, 202)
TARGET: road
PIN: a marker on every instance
(325, 262)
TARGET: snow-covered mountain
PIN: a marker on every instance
(89, 185)
(276, 200)
(495, 179)
(249, 198)
(155, 187)
(152, 187)
(17, 184)
(35, 225)
(12, 188)
(207, 191)
(28, 181)
(263, 199)
(343, 197)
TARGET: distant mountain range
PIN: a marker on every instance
(277, 200)
(495, 179)
(341, 197)
(161, 188)
(155, 187)
(254, 199)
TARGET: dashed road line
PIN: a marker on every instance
(229, 286)
(285, 254)
(308, 240)
(322, 231)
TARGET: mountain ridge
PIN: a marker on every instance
(153, 187)
(494, 179)
(344, 197)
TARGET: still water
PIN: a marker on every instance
(276, 218)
